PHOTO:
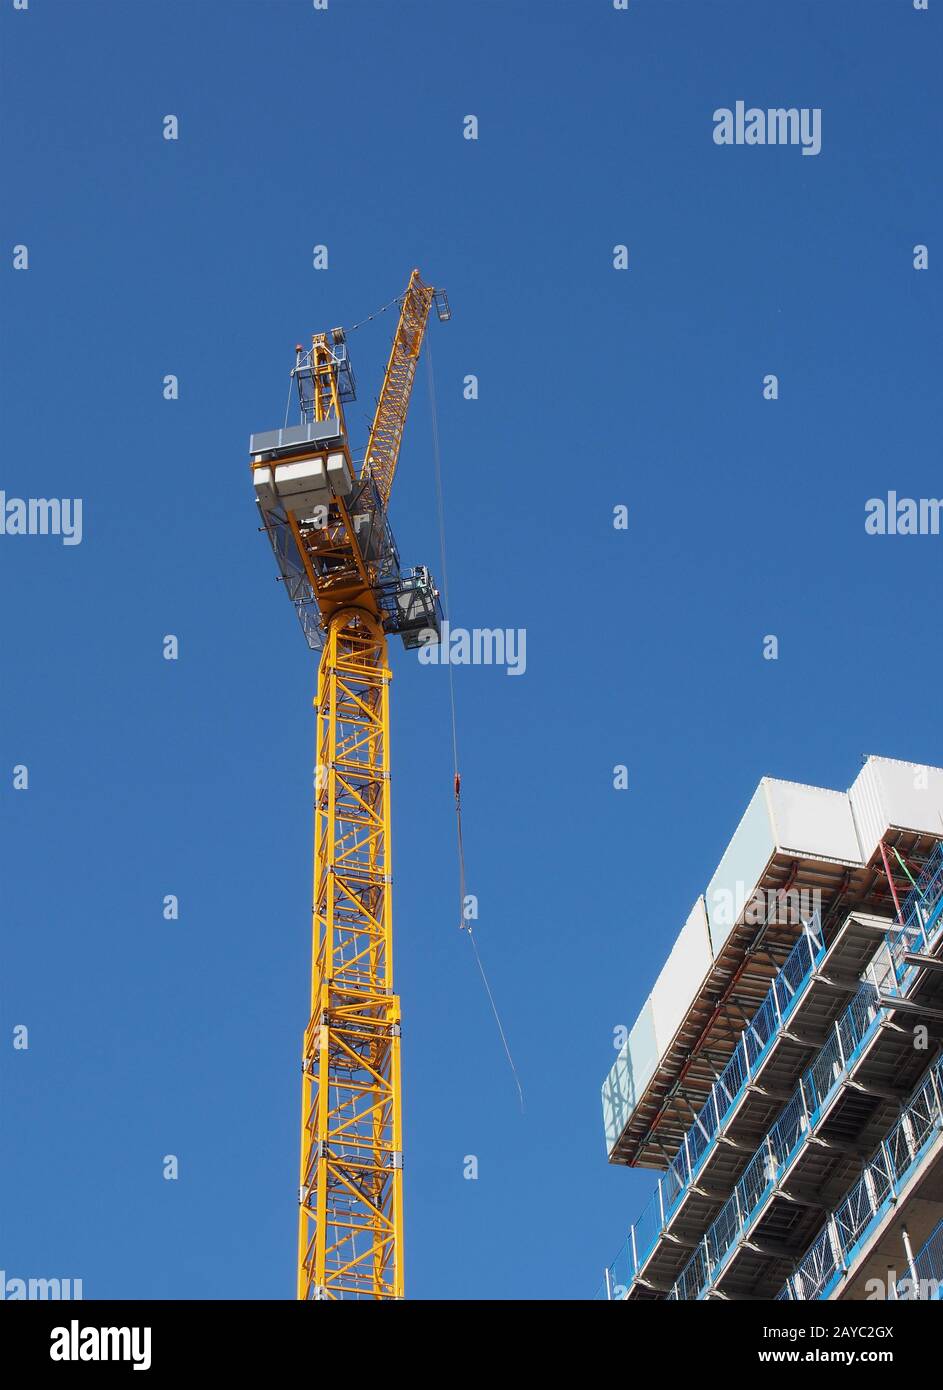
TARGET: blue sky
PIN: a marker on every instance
(644, 647)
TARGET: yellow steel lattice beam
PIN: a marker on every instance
(386, 433)
(350, 1222)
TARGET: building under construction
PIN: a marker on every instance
(785, 1074)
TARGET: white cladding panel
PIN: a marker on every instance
(888, 793)
(812, 822)
(744, 862)
(682, 976)
(629, 1076)
(865, 799)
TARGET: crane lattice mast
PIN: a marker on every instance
(335, 551)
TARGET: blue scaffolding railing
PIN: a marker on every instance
(851, 1034)
(751, 1050)
(901, 1151)
(922, 918)
(890, 973)
(925, 1281)
(831, 1252)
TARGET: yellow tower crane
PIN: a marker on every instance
(327, 524)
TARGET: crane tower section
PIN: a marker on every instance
(328, 528)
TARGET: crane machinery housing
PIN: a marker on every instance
(328, 527)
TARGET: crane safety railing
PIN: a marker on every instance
(850, 1035)
(835, 1247)
(921, 917)
(925, 1280)
(751, 1050)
